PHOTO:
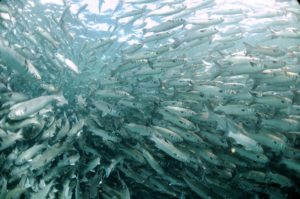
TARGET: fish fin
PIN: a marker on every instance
(103, 114)
(60, 98)
(176, 43)
(219, 67)
(4, 186)
(252, 63)
(162, 85)
(221, 53)
(174, 93)
(113, 72)
(150, 63)
(273, 34)
(248, 46)
(271, 30)
(2, 122)
(137, 146)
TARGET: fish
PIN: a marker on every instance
(178, 120)
(114, 94)
(170, 149)
(47, 156)
(205, 21)
(265, 50)
(81, 9)
(10, 139)
(18, 62)
(270, 140)
(67, 62)
(28, 154)
(107, 109)
(43, 192)
(289, 33)
(24, 109)
(139, 129)
(180, 111)
(151, 161)
(235, 109)
(47, 36)
(236, 133)
(256, 157)
(200, 190)
(167, 25)
(167, 134)
(104, 135)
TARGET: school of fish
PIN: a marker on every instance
(174, 99)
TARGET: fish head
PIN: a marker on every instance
(17, 113)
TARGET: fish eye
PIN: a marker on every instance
(282, 101)
(243, 110)
(275, 142)
(220, 91)
(257, 156)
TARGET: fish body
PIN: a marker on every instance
(47, 36)
(246, 141)
(115, 94)
(107, 109)
(265, 50)
(183, 112)
(170, 149)
(67, 62)
(29, 107)
(18, 62)
(152, 162)
(28, 154)
(168, 134)
(167, 25)
(288, 33)
(177, 120)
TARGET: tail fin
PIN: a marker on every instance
(248, 47)
(4, 187)
(61, 99)
(273, 33)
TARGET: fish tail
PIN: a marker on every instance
(60, 98)
(273, 33)
(248, 46)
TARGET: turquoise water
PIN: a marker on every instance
(149, 99)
